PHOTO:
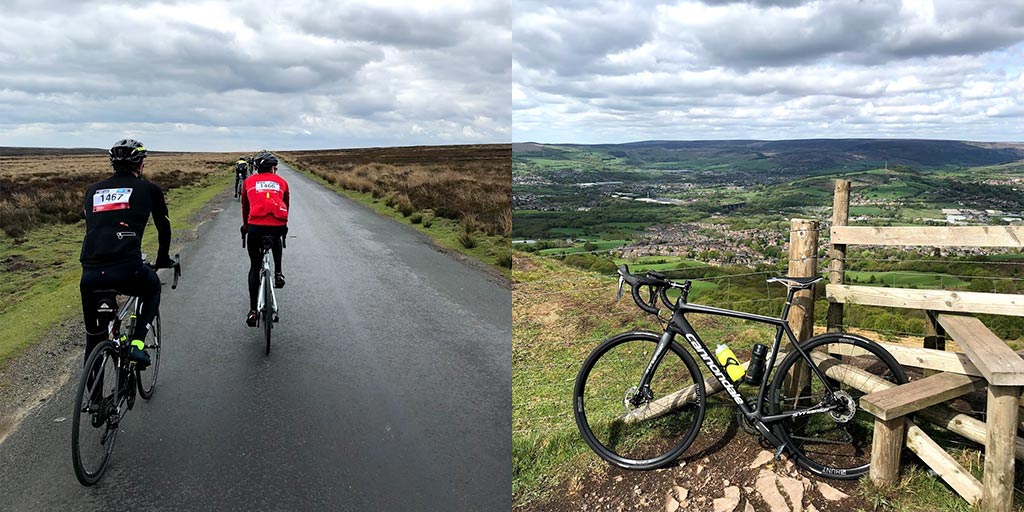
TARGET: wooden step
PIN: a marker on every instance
(913, 396)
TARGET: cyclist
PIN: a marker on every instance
(116, 212)
(265, 202)
(252, 165)
(241, 172)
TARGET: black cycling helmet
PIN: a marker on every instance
(127, 150)
(265, 161)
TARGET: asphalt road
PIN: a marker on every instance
(388, 385)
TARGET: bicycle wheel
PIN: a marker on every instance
(837, 443)
(146, 379)
(662, 427)
(94, 419)
(268, 309)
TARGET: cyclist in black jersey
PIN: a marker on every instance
(116, 212)
(241, 172)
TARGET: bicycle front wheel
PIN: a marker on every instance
(94, 419)
(638, 434)
(837, 443)
(147, 377)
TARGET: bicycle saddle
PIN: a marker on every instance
(105, 302)
(799, 283)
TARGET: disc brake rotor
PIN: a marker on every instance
(847, 407)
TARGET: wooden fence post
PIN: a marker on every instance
(837, 254)
(803, 262)
(886, 448)
(997, 481)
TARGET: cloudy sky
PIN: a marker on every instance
(593, 71)
(248, 74)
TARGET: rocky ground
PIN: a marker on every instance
(727, 472)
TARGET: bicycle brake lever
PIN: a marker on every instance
(619, 295)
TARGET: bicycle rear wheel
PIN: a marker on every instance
(659, 429)
(268, 308)
(834, 444)
(146, 379)
(94, 419)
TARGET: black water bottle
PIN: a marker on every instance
(756, 369)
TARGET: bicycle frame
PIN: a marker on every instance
(264, 282)
(679, 325)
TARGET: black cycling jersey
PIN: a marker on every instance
(116, 212)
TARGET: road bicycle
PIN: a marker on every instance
(639, 399)
(109, 381)
(266, 299)
(239, 188)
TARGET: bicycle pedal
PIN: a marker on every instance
(778, 452)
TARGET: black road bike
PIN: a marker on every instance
(109, 381)
(239, 183)
(640, 399)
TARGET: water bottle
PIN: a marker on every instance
(756, 369)
(728, 360)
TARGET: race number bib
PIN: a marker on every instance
(268, 185)
(109, 199)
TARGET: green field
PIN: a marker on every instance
(602, 245)
(903, 279)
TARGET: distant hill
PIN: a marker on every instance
(806, 153)
(42, 152)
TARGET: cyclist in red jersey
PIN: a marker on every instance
(265, 200)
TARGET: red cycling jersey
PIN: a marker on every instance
(265, 202)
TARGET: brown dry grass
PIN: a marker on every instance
(47, 189)
(471, 184)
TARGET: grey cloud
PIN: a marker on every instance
(721, 69)
(316, 71)
(570, 42)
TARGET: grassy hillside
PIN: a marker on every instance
(812, 154)
(561, 313)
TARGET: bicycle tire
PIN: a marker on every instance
(841, 446)
(147, 385)
(268, 313)
(599, 403)
(109, 434)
